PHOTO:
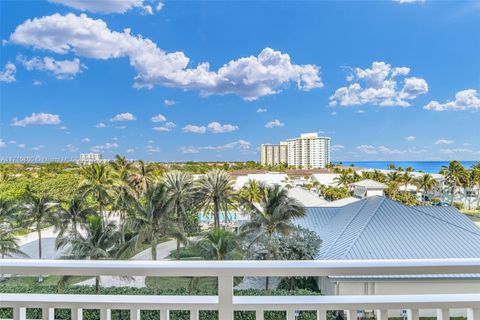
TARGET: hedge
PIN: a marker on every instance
(64, 314)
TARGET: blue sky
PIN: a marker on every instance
(387, 80)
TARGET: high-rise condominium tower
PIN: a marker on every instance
(309, 151)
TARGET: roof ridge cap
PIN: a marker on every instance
(346, 225)
(445, 221)
(382, 199)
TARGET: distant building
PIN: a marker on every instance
(89, 158)
(368, 188)
(273, 154)
(309, 151)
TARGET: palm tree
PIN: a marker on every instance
(70, 219)
(394, 179)
(215, 192)
(251, 192)
(273, 216)
(476, 180)
(142, 178)
(97, 183)
(149, 219)
(454, 174)
(407, 179)
(100, 242)
(219, 244)
(38, 211)
(180, 189)
(426, 183)
(343, 179)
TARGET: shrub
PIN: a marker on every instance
(458, 205)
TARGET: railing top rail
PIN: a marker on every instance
(241, 268)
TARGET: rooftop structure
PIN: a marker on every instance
(368, 188)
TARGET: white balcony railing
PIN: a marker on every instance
(226, 302)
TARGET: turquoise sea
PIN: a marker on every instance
(425, 166)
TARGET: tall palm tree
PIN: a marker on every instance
(407, 179)
(70, 219)
(251, 192)
(143, 177)
(273, 216)
(97, 183)
(180, 190)
(38, 211)
(454, 174)
(215, 192)
(150, 221)
(343, 179)
(219, 244)
(476, 180)
(394, 179)
(426, 183)
(100, 242)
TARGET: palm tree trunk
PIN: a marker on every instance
(97, 284)
(153, 244)
(180, 226)
(216, 214)
(39, 231)
(2, 276)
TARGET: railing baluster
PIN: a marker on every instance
(350, 314)
(194, 315)
(443, 314)
(225, 297)
(48, 313)
(291, 314)
(473, 314)
(76, 314)
(259, 314)
(19, 313)
(164, 314)
(321, 314)
(382, 314)
(412, 314)
(105, 314)
(134, 314)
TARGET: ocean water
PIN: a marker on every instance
(424, 166)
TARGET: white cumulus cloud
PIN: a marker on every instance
(126, 116)
(37, 119)
(8, 75)
(169, 102)
(274, 124)
(444, 141)
(105, 6)
(168, 126)
(466, 100)
(410, 138)
(159, 118)
(379, 85)
(3, 144)
(100, 125)
(190, 128)
(240, 144)
(216, 127)
(61, 69)
(249, 77)
(261, 110)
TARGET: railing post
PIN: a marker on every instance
(259, 314)
(321, 314)
(412, 314)
(48, 313)
(164, 314)
(383, 314)
(194, 315)
(134, 314)
(473, 314)
(19, 313)
(225, 297)
(443, 314)
(350, 314)
(76, 314)
(291, 314)
(105, 314)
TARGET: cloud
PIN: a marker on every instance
(126, 116)
(22, 145)
(241, 145)
(130, 150)
(165, 128)
(216, 127)
(105, 6)
(274, 124)
(168, 102)
(408, 1)
(360, 111)
(37, 82)
(333, 113)
(249, 77)
(86, 140)
(152, 149)
(190, 128)
(159, 118)
(456, 150)
(370, 149)
(8, 75)
(71, 148)
(379, 86)
(37, 119)
(159, 6)
(410, 138)
(466, 100)
(61, 69)
(105, 146)
(337, 147)
(366, 148)
(261, 110)
(3, 144)
(100, 125)
(444, 141)
(37, 148)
